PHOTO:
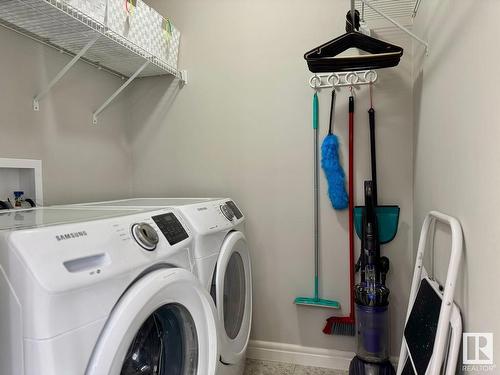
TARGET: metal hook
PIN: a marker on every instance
(351, 88)
(370, 76)
(351, 78)
(313, 79)
(333, 80)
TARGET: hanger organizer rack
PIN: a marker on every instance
(343, 79)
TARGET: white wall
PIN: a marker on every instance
(456, 144)
(241, 128)
(80, 162)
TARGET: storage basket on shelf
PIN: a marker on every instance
(130, 19)
(142, 25)
(132, 22)
(95, 9)
(165, 39)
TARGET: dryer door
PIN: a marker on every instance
(233, 289)
(164, 324)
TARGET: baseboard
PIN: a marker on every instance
(299, 355)
(302, 355)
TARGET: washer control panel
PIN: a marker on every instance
(145, 235)
(171, 228)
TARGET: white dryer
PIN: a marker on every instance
(223, 265)
(98, 292)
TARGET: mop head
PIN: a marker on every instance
(334, 173)
(344, 326)
(318, 302)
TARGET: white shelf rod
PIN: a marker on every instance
(397, 24)
(117, 92)
(415, 9)
(343, 79)
(62, 72)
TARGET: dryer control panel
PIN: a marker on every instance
(212, 217)
(227, 212)
(235, 209)
(171, 228)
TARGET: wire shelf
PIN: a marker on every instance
(403, 9)
(55, 23)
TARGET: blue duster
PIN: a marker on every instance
(331, 166)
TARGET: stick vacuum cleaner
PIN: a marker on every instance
(371, 294)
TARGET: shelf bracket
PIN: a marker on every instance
(117, 92)
(62, 72)
(398, 25)
(184, 77)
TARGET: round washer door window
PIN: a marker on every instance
(164, 324)
(166, 343)
(234, 296)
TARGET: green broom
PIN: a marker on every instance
(316, 301)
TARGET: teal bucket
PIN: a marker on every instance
(387, 217)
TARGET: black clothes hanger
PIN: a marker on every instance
(323, 59)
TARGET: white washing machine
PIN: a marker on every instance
(223, 265)
(102, 292)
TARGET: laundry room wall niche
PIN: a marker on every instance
(21, 179)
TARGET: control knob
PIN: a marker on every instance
(145, 235)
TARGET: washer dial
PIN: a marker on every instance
(145, 235)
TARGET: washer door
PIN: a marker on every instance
(164, 324)
(233, 295)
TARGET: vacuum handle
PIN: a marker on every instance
(352, 266)
(373, 155)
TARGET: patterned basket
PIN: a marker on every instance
(119, 19)
(164, 40)
(95, 9)
(140, 24)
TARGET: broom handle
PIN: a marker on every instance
(351, 204)
(316, 197)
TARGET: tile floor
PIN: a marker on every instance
(257, 367)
